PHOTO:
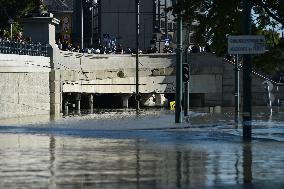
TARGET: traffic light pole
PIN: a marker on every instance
(178, 108)
(247, 70)
(186, 98)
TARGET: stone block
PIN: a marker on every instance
(54, 75)
(55, 109)
(55, 98)
(55, 86)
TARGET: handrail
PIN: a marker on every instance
(22, 48)
(254, 72)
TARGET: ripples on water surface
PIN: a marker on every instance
(122, 150)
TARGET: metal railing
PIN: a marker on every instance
(23, 48)
(253, 71)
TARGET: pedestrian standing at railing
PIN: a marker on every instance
(97, 51)
(59, 44)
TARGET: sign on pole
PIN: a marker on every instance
(167, 42)
(11, 21)
(246, 44)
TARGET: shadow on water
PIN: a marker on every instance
(247, 164)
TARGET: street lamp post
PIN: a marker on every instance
(93, 6)
(137, 52)
(92, 30)
(82, 25)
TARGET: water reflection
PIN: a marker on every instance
(110, 153)
(30, 161)
(247, 162)
(179, 169)
(137, 164)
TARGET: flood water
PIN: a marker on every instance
(122, 149)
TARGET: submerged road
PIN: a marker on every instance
(124, 150)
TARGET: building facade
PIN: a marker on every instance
(115, 19)
(62, 10)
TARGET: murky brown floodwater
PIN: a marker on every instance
(123, 150)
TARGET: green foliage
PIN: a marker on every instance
(14, 9)
(220, 18)
(273, 57)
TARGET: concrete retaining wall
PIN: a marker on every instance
(206, 75)
(85, 73)
(259, 94)
(24, 86)
(156, 72)
(34, 85)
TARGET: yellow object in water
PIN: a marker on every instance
(172, 105)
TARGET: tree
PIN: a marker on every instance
(14, 9)
(220, 18)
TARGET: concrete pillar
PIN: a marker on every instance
(148, 100)
(66, 108)
(78, 101)
(160, 100)
(40, 29)
(125, 99)
(91, 103)
(55, 93)
(217, 109)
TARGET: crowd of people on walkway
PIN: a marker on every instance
(19, 44)
(109, 49)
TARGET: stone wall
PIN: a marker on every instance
(24, 86)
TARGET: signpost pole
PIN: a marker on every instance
(237, 89)
(247, 70)
(11, 22)
(11, 30)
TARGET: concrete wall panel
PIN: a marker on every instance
(24, 85)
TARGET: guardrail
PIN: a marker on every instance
(23, 48)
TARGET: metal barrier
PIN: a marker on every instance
(23, 48)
